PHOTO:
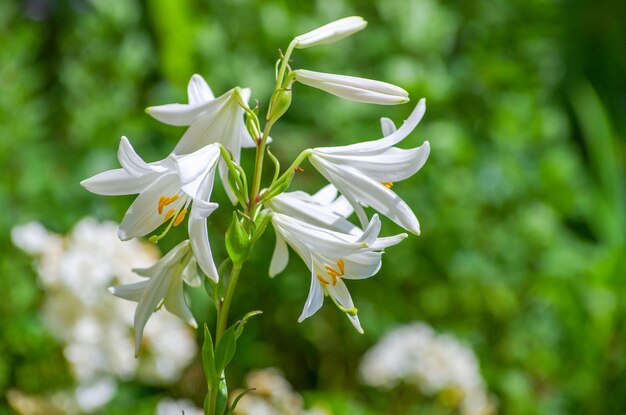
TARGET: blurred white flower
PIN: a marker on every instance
(365, 172)
(415, 354)
(353, 88)
(330, 33)
(96, 328)
(168, 406)
(272, 395)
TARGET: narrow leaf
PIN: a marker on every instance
(222, 397)
(237, 399)
(208, 360)
(225, 349)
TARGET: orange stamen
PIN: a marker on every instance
(322, 280)
(298, 168)
(168, 215)
(341, 266)
(388, 185)
(161, 205)
(180, 217)
(171, 200)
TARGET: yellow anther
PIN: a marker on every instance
(341, 267)
(162, 201)
(168, 215)
(171, 200)
(322, 280)
(180, 217)
(388, 185)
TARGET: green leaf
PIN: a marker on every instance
(208, 360)
(241, 323)
(225, 349)
(222, 397)
(237, 399)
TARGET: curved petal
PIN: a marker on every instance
(314, 300)
(280, 257)
(387, 126)
(190, 273)
(117, 182)
(385, 242)
(391, 165)
(175, 303)
(361, 189)
(142, 216)
(198, 91)
(326, 195)
(130, 292)
(199, 237)
(130, 160)
(389, 141)
(362, 265)
(149, 301)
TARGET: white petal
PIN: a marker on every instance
(131, 292)
(362, 264)
(331, 32)
(218, 121)
(117, 182)
(387, 126)
(130, 160)
(353, 88)
(152, 296)
(390, 165)
(190, 274)
(340, 292)
(371, 231)
(326, 195)
(174, 302)
(360, 188)
(280, 257)
(199, 237)
(142, 216)
(385, 242)
(198, 91)
(314, 300)
(389, 141)
(356, 323)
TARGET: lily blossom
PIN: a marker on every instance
(166, 190)
(210, 120)
(365, 172)
(353, 88)
(164, 285)
(324, 208)
(331, 257)
(331, 32)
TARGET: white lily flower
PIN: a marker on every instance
(365, 172)
(164, 285)
(331, 32)
(323, 208)
(166, 190)
(332, 257)
(353, 88)
(210, 120)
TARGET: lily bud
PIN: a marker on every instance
(331, 32)
(353, 88)
(237, 241)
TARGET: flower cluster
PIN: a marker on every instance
(434, 363)
(74, 271)
(179, 188)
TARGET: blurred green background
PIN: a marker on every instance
(522, 202)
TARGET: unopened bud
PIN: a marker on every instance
(331, 32)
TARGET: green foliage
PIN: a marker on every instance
(522, 202)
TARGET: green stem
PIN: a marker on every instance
(222, 321)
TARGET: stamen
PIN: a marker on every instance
(180, 217)
(341, 267)
(322, 279)
(388, 185)
(298, 168)
(161, 205)
(168, 215)
(171, 200)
